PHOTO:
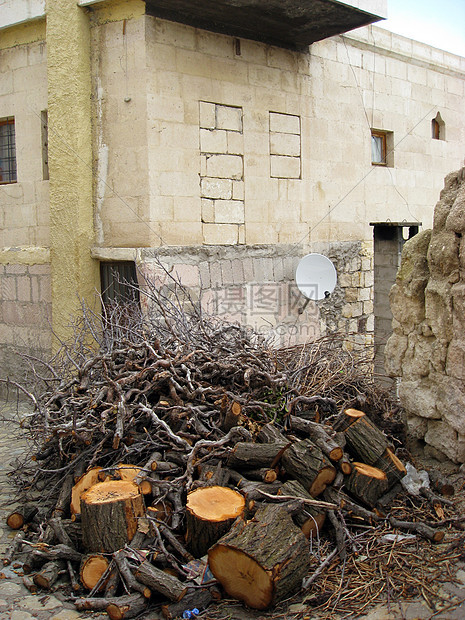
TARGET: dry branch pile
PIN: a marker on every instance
(182, 440)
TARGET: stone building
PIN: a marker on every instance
(226, 139)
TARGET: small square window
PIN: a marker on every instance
(382, 148)
(378, 148)
(7, 150)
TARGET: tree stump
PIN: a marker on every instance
(365, 442)
(109, 515)
(210, 512)
(367, 483)
(93, 567)
(308, 465)
(261, 561)
(311, 518)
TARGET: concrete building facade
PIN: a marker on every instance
(227, 155)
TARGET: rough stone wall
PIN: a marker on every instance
(25, 309)
(255, 285)
(427, 348)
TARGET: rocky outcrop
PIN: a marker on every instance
(427, 347)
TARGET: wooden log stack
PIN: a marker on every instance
(187, 475)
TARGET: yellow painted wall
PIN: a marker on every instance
(74, 273)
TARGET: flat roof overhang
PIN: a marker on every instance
(292, 24)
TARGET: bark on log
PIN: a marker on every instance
(270, 434)
(119, 610)
(367, 483)
(210, 512)
(347, 505)
(365, 442)
(308, 465)
(62, 506)
(263, 560)
(161, 582)
(93, 567)
(419, 528)
(199, 598)
(310, 519)
(58, 552)
(440, 484)
(14, 548)
(346, 419)
(248, 455)
(392, 467)
(319, 436)
(49, 573)
(131, 601)
(121, 559)
(109, 515)
(231, 416)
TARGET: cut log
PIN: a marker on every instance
(124, 568)
(311, 518)
(270, 434)
(195, 598)
(15, 520)
(161, 582)
(49, 573)
(161, 511)
(109, 515)
(308, 465)
(231, 416)
(210, 512)
(261, 561)
(319, 436)
(346, 419)
(58, 552)
(84, 483)
(93, 567)
(264, 474)
(367, 483)
(14, 548)
(131, 609)
(248, 455)
(121, 603)
(133, 473)
(392, 467)
(365, 442)
(440, 484)
(418, 527)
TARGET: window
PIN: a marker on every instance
(378, 148)
(438, 128)
(119, 283)
(7, 150)
(382, 148)
(44, 135)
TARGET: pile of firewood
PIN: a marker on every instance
(183, 458)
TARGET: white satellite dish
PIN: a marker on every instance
(315, 276)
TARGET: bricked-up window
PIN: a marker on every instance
(118, 281)
(7, 150)
(382, 148)
(285, 146)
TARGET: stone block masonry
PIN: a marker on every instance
(222, 177)
(25, 310)
(255, 285)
